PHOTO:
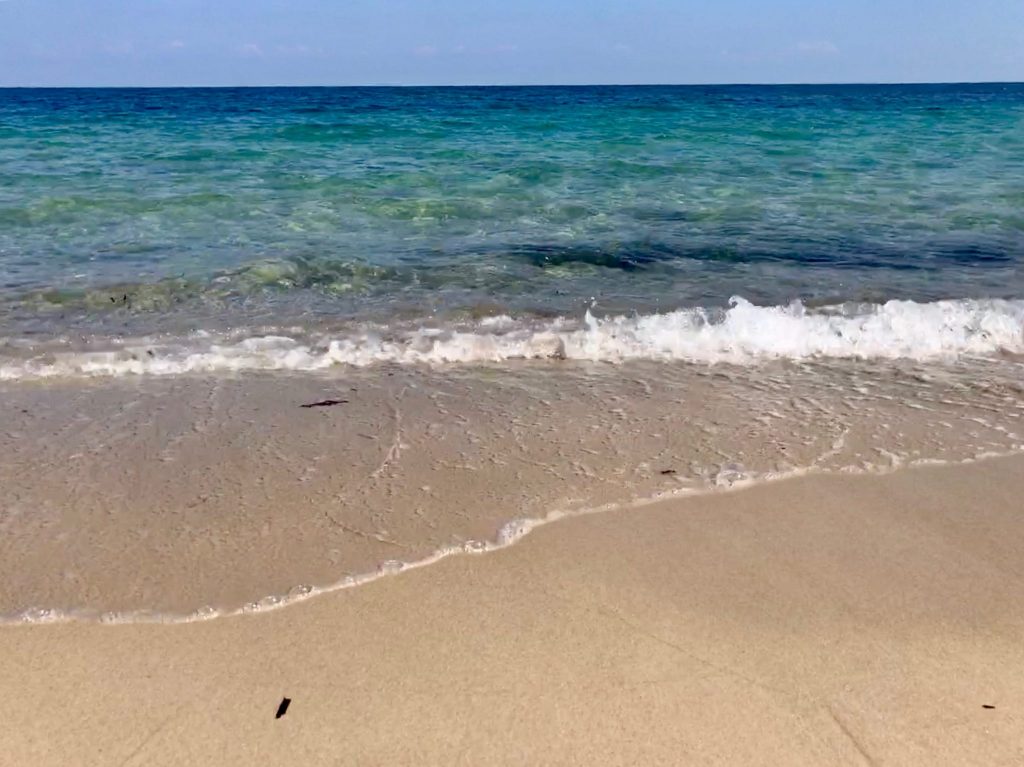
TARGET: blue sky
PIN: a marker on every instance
(345, 42)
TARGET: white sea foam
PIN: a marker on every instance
(510, 534)
(742, 334)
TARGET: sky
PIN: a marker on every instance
(471, 42)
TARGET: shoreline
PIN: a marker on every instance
(181, 496)
(511, 534)
(833, 619)
(759, 355)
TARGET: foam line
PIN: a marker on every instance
(510, 534)
(741, 334)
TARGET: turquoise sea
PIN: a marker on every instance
(308, 213)
(257, 345)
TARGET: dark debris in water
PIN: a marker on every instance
(325, 403)
(625, 258)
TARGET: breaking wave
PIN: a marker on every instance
(743, 333)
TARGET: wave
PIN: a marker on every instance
(510, 534)
(741, 334)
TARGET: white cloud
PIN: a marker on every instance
(486, 50)
(298, 49)
(818, 48)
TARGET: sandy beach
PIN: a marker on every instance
(542, 410)
(168, 496)
(828, 619)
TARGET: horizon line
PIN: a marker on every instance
(846, 83)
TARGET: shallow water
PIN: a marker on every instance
(155, 211)
(182, 497)
(527, 303)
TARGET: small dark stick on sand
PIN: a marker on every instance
(986, 705)
(326, 403)
(668, 471)
(283, 708)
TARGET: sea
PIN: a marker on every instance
(155, 231)
(257, 344)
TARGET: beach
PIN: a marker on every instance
(512, 425)
(817, 620)
(176, 497)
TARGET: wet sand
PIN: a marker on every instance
(829, 619)
(168, 496)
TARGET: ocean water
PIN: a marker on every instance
(786, 280)
(156, 231)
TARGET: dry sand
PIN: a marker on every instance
(817, 621)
